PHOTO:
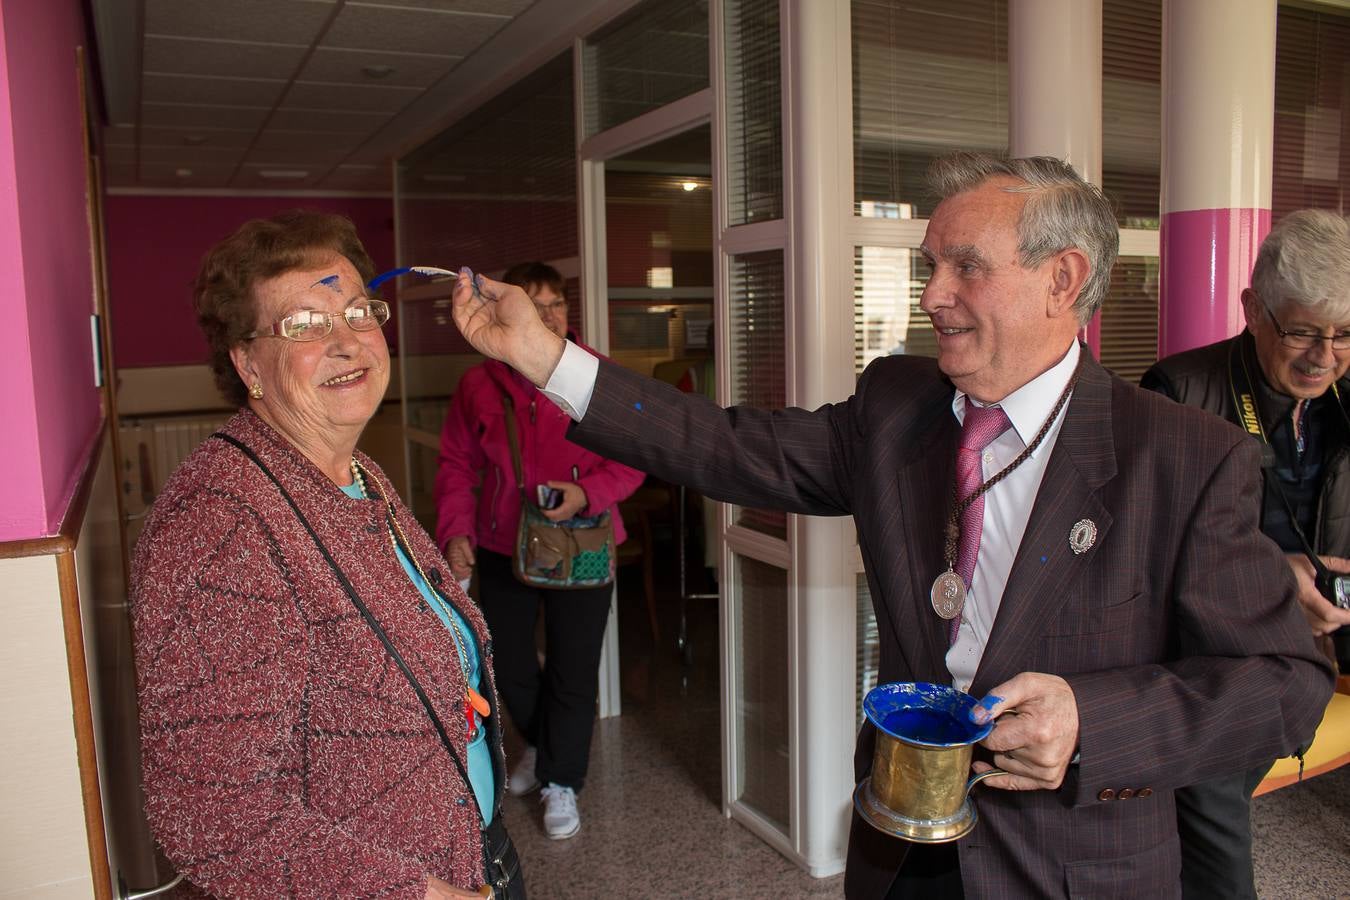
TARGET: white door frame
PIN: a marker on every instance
(649, 128)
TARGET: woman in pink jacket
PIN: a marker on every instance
(478, 512)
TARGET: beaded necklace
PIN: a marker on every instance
(473, 701)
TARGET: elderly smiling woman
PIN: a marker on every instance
(317, 708)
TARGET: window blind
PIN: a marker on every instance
(1132, 109)
(753, 112)
(888, 283)
(927, 79)
(758, 353)
(1311, 159)
(1129, 318)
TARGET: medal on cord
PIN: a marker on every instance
(949, 591)
(474, 702)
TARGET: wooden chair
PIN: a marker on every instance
(647, 502)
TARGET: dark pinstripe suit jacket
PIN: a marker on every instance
(1178, 630)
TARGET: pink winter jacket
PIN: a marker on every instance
(476, 456)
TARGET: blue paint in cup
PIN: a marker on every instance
(924, 714)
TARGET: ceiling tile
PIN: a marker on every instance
(356, 97)
(192, 156)
(279, 139)
(498, 7)
(119, 155)
(410, 69)
(195, 56)
(316, 157)
(413, 30)
(157, 88)
(327, 120)
(372, 156)
(186, 115)
(282, 21)
(251, 176)
(359, 178)
(121, 175)
(188, 137)
(120, 135)
(161, 175)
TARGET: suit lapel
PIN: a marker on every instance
(1046, 569)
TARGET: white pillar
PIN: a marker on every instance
(1055, 82)
(818, 143)
(1218, 88)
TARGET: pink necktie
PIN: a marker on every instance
(983, 424)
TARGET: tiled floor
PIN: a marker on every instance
(652, 826)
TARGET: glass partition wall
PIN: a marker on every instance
(497, 189)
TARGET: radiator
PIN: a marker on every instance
(152, 448)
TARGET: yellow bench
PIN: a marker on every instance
(1330, 747)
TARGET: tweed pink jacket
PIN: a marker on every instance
(284, 753)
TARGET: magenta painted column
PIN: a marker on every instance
(1218, 86)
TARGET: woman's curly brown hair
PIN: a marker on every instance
(258, 250)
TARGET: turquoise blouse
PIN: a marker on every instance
(479, 762)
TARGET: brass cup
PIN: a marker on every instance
(919, 789)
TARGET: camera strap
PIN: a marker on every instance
(1249, 416)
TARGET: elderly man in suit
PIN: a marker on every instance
(1083, 553)
(1283, 380)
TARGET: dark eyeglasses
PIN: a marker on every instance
(1306, 340)
(546, 309)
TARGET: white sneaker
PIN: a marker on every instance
(561, 819)
(522, 779)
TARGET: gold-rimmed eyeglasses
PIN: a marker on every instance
(1306, 340)
(315, 324)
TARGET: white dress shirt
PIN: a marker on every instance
(1007, 505)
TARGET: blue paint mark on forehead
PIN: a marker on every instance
(331, 282)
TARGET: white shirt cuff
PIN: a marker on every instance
(573, 381)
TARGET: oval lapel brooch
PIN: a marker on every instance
(1082, 536)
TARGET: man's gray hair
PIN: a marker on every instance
(1306, 260)
(1062, 211)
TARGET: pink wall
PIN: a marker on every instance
(49, 405)
(155, 246)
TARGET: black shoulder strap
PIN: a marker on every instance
(514, 440)
(365, 614)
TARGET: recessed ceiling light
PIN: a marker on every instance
(194, 140)
(377, 71)
(689, 185)
(283, 174)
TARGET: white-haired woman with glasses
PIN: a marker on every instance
(318, 716)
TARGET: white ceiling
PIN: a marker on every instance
(302, 94)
